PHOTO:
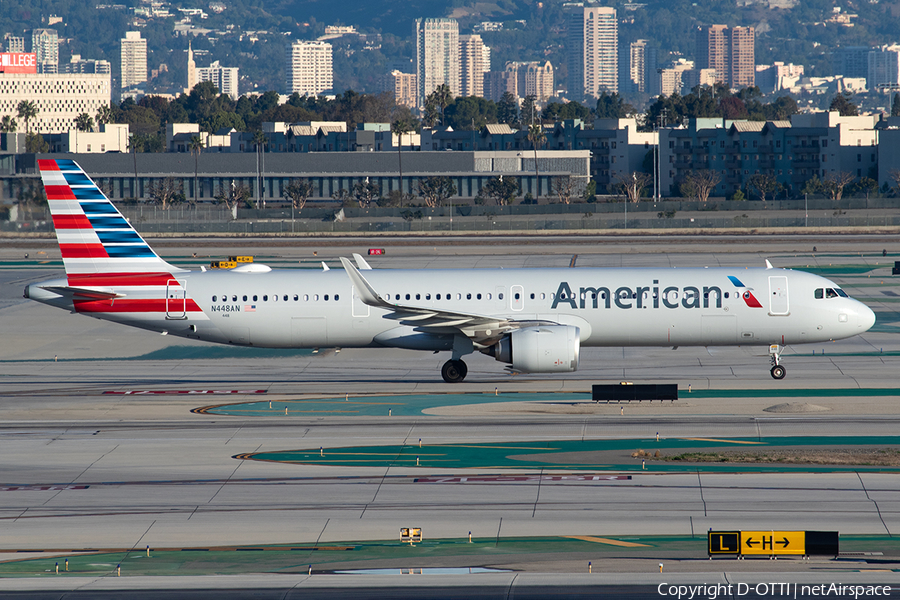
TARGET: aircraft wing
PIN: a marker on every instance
(483, 330)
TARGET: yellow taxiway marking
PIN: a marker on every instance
(600, 540)
(721, 440)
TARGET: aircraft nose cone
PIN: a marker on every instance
(866, 318)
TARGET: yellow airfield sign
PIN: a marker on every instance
(773, 542)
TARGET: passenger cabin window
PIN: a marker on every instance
(255, 297)
(214, 298)
(245, 298)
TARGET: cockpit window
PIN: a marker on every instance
(820, 293)
(841, 293)
(830, 293)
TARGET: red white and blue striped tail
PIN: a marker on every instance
(93, 236)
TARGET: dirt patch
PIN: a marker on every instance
(796, 407)
(880, 457)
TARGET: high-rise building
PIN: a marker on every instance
(497, 83)
(531, 79)
(403, 86)
(593, 50)
(310, 70)
(224, 78)
(191, 70)
(59, 98)
(14, 43)
(742, 68)
(474, 62)
(731, 52)
(437, 56)
(45, 44)
(637, 69)
(884, 69)
(78, 65)
(134, 59)
(851, 61)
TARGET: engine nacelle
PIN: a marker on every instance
(540, 349)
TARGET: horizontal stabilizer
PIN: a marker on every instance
(82, 293)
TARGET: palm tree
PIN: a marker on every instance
(537, 138)
(8, 124)
(84, 122)
(27, 110)
(137, 142)
(260, 140)
(196, 145)
(104, 114)
(399, 127)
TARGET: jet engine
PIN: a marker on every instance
(540, 349)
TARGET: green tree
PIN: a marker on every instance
(538, 138)
(104, 115)
(555, 111)
(435, 190)
(895, 105)
(812, 186)
(844, 105)
(439, 100)
(8, 124)
(470, 114)
(508, 109)
(84, 122)
(259, 141)
(502, 190)
(612, 106)
(26, 110)
(36, 144)
(529, 112)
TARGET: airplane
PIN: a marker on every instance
(534, 320)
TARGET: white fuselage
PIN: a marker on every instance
(611, 307)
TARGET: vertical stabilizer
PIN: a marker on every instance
(93, 236)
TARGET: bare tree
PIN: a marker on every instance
(503, 191)
(763, 184)
(895, 175)
(564, 188)
(633, 184)
(343, 197)
(297, 192)
(833, 184)
(700, 184)
(233, 196)
(434, 190)
(165, 192)
(365, 193)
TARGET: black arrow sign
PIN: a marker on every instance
(785, 542)
(750, 542)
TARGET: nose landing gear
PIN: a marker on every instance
(777, 371)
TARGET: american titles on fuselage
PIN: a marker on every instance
(639, 297)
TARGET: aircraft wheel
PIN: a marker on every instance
(778, 372)
(454, 371)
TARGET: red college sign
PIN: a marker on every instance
(18, 62)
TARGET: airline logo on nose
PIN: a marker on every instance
(749, 299)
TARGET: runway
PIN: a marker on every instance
(98, 458)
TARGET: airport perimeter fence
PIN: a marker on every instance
(328, 218)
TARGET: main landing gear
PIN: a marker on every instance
(454, 371)
(778, 371)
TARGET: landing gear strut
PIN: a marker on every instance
(454, 371)
(778, 371)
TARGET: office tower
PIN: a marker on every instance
(437, 56)
(224, 78)
(14, 43)
(852, 61)
(191, 70)
(472, 65)
(742, 67)
(730, 52)
(884, 69)
(593, 50)
(403, 86)
(134, 59)
(45, 44)
(310, 70)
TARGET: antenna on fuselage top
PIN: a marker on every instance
(768, 264)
